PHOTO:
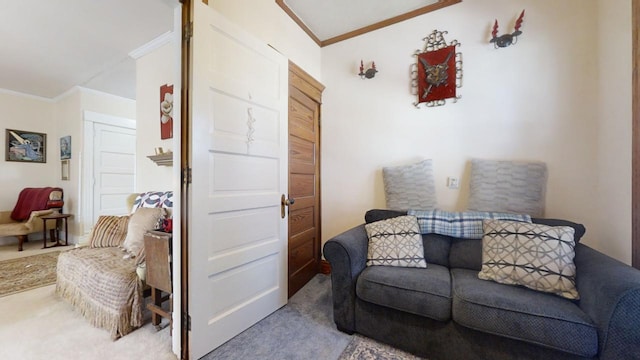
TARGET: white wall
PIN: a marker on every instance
(268, 22)
(30, 114)
(613, 233)
(536, 100)
(152, 71)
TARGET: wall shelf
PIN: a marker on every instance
(165, 159)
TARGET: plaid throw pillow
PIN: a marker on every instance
(109, 231)
(395, 242)
(464, 225)
(539, 257)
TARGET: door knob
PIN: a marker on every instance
(284, 201)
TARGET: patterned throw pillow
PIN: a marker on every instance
(395, 242)
(508, 186)
(109, 231)
(410, 186)
(539, 257)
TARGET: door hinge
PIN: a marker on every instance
(186, 175)
(187, 31)
(186, 319)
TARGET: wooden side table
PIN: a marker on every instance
(157, 248)
(55, 233)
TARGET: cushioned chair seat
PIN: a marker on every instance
(522, 314)
(425, 292)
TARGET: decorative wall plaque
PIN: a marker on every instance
(437, 73)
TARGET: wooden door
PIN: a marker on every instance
(237, 237)
(305, 96)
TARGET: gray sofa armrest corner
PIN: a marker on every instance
(610, 295)
(347, 254)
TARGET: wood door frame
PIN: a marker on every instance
(185, 166)
(305, 83)
(635, 147)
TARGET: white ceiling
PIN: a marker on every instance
(330, 18)
(48, 47)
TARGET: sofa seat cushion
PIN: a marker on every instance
(425, 292)
(522, 314)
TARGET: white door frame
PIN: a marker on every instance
(86, 162)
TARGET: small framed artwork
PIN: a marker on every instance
(64, 169)
(25, 146)
(166, 111)
(65, 147)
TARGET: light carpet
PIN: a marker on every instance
(26, 273)
(304, 329)
(37, 325)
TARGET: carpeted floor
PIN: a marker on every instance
(304, 329)
(26, 273)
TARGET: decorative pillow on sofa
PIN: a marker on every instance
(508, 186)
(109, 231)
(143, 220)
(395, 242)
(410, 186)
(536, 256)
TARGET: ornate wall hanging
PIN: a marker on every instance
(506, 39)
(437, 72)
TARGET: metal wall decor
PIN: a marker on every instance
(370, 73)
(506, 39)
(437, 73)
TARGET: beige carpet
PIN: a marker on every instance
(37, 325)
(25, 273)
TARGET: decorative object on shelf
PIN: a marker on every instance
(64, 169)
(506, 39)
(370, 73)
(26, 146)
(162, 158)
(437, 72)
(166, 111)
(65, 147)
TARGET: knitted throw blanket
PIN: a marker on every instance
(103, 286)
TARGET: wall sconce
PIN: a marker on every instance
(506, 39)
(370, 73)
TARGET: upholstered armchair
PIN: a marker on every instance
(25, 218)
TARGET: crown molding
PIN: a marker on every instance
(152, 45)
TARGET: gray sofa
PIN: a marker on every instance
(446, 312)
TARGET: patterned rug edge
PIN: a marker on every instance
(363, 348)
(27, 273)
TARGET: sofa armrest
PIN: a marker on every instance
(35, 223)
(347, 254)
(610, 295)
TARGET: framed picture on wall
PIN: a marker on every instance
(64, 169)
(65, 147)
(25, 146)
(166, 111)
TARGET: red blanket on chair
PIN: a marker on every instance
(31, 199)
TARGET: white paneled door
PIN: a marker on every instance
(114, 168)
(237, 237)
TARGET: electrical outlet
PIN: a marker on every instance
(453, 182)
